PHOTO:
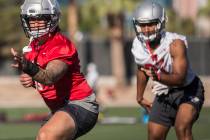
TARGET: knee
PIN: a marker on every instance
(45, 135)
(155, 135)
(183, 129)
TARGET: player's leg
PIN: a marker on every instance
(68, 123)
(187, 114)
(159, 118)
(61, 126)
(189, 109)
(184, 121)
(157, 131)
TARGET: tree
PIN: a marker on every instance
(72, 18)
(10, 27)
(176, 24)
(205, 11)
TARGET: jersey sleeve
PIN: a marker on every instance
(179, 36)
(65, 52)
(136, 51)
(183, 38)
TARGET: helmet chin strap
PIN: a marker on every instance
(31, 39)
(27, 49)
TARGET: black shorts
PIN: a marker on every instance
(84, 119)
(165, 107)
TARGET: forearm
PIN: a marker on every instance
(51, 74)
(54, 71)
(172, 79)
(142, 80)
(44, 77)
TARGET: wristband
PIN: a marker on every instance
(29, 67)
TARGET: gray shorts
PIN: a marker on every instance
(84, 119)
(84, 112)
(165, 107)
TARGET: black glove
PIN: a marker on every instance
(29, 67)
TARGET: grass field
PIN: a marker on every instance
(138, 131)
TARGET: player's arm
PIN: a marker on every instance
(142, 80)
(54, 71)
(179, 65)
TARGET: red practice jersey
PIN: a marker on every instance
(72, 86)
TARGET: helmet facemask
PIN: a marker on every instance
(36, 32)
(149, 36)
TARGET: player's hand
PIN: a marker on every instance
(26, 80)
(17, 59)
(147, 105)
(152, 73)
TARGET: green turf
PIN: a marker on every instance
(100, 132)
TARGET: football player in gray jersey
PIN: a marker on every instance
(162, 56)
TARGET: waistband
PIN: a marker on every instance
(196, 78)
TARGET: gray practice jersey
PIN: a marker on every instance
(160, 59)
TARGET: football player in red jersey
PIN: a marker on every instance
(50, 63)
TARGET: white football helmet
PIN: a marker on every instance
(149, 12)
(46, 10)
